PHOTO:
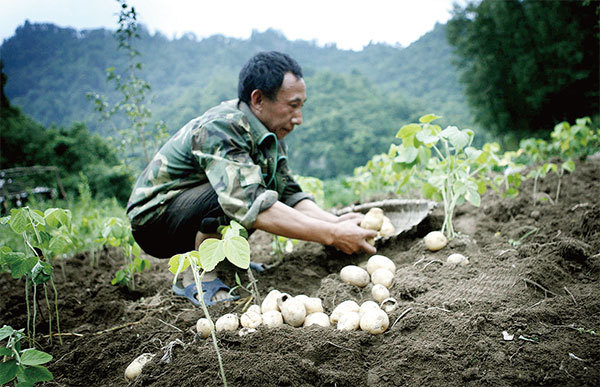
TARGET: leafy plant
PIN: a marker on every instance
(281, 245)
(117, 232)
(233, 247)
(46, 235)
(455, 172)
(23, 364)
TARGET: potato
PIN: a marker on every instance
(227, 322)
(367, 306)
(383, 277)
(389, 304)
(270, 301)
(387, 228)
(250, 319)
(301, 297)
(380, 261)
(313, 305)
(457, 259)
(292, 310)
(318, 318)
(354, 275)
(272, 319)
(373, 219)
(255, 309)
(349, 321)
(435, 240)
(203, 327)
(134, 369)
(375, 322)
(343, 308)
(380, 292)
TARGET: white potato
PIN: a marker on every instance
(373, 219)
(366, 306)
(203, 327)
(318, 318)
(380, 261)
(270, 301)
(250, 319)
(354, 275)
(313, 305)
(349, 321)
(246, 331)
(457, 259)
(227, 322)
(272, 319)
(292, 310)
(387, 228)
(301, 297)
(380, 292)
(383, 277)
(343, 308)
(376, 322)
(435, 240)
(254, 308)
(134, 369)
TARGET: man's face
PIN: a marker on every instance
(282, 114)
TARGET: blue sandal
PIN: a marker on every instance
(209, 288)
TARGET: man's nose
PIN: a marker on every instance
(297, 119)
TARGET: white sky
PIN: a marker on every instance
(351, 24)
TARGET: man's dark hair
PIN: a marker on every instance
(265, 72)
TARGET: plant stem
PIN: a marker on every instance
(49, 312)
(56, 310)
(28, 311)
(560, 175)
(198, 280)
(34, 310)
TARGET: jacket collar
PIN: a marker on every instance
(258, 130)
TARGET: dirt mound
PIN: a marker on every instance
(533, 274)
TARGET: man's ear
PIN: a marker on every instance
(256, 100)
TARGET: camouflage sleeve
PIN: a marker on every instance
(223, 150)
(292, 193)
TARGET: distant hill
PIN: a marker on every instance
(357, 100)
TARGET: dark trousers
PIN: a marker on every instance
(174, 231)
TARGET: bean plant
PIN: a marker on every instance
(233, 247)
(24, 365)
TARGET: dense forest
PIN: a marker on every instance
(359, 99)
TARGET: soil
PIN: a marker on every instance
(542, 290)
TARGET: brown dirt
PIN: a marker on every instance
(544, 291)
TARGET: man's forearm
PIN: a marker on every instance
(311, 209)
(294, 223)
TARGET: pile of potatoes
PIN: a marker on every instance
(376, 220)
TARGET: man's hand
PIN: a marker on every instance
(350, 237)
(350, 215)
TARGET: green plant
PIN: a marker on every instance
(23, 364)
(117, 232)
(46, 236)
(455, 172)
(281, 245)
(233, 247)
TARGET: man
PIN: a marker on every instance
(231, 163)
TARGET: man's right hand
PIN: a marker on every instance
(351, 238)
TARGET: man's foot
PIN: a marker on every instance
(188, 279)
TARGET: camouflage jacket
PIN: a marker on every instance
(228, 147)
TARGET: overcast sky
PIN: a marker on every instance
(348, 23)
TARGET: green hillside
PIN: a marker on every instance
(357, 100)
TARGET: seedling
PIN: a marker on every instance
(23, 364)
(519, 241)
(232, 247)
(117, 232)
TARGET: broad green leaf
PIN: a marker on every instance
(437, 181)
(6, 331)
(136, 250)
(5, 352)
(428, 118)
(119, 277)
(34, 374)
(19, 220)
(512, 192)
(19, 265)
(178, 263)
(407, 134)
(8, 371)
(237, 251)
(568, 165)
(406, 155)
(211, 253)
(431, 192)
(60, 244)
(481, 187)
(457, 138)
(41, 272)
(473, 197)
(37, 217)
(427, 136)
(55, 217)
(33, 357)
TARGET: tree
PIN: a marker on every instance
(527, 64)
